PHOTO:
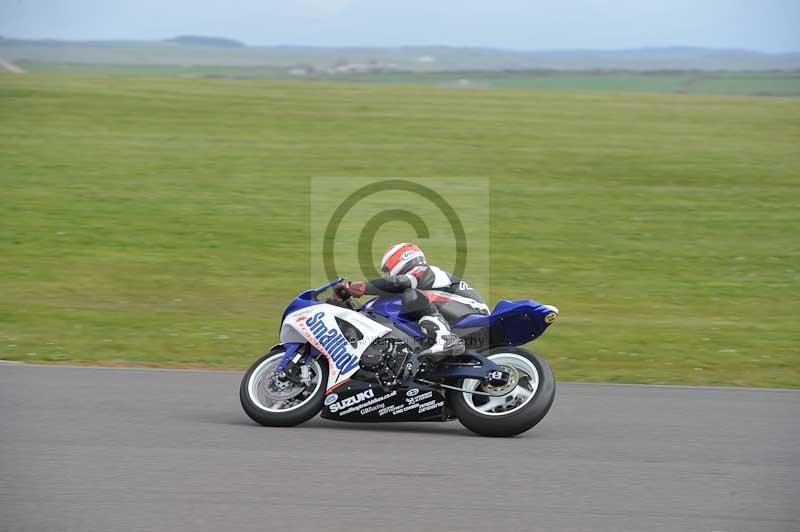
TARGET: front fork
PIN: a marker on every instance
(292, 365)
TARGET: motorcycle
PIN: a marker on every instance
(369, 364)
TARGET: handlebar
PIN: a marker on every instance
(343, 294)
(318, 291)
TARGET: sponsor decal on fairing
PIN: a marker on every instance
(363, 403)
(430, 405)
(352, 401)
(332, 398)
(418, 398)
(330, 341)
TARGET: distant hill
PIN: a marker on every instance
(199, 40)
(189, 50)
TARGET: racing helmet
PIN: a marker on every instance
(400, 258)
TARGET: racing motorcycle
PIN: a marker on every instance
(368, 364)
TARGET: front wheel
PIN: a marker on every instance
(529, 395)
(274, 402)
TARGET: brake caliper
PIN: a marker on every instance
(305, 375)
(498, 378)
(502, 381)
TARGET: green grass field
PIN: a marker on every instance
(696, 82)
(165, 221)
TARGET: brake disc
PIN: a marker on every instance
(279, 390)
(506, 387)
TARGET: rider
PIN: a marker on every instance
(429, 295)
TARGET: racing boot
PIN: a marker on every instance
(443, 343)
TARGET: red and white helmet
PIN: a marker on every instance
(400, 258)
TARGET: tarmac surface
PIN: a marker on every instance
(109, 449)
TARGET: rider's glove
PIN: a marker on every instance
(357, 288)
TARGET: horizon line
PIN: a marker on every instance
(398, 46)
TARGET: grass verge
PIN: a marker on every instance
(165, 221)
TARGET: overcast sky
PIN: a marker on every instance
(767, 25)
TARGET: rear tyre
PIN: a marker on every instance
(273, 403)
(515, 412)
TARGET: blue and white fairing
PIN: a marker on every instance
(306, 320)
(512, 322)
(390, 307)
(310, 321)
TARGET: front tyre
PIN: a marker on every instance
(273, 402)
(527, 399)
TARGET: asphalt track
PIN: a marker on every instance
(94, 449)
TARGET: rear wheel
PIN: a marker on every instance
(513, 408)
(275, 402)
